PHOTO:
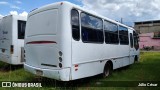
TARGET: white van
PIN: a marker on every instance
(12, 31)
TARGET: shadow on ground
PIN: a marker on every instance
(7, 67)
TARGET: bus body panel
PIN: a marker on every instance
(63, 74)
(86, 52)
(46, 56)
(10, 39)
(88, 56)
(87, 69)
(6, 39)
(42, 56)
(43, 26)
(45, 53)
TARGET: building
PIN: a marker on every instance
(149, 34)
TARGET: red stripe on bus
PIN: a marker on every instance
(40, 42)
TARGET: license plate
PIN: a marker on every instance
(39, 72)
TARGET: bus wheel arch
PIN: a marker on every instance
(108, 68)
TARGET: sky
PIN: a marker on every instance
(127, 11)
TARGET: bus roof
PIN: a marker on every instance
(16, 16)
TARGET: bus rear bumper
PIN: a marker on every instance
(58, 74)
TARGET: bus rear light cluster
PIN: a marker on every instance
(41, 42)
(60, 53)
(60, 65)
(76, 67)
(60, 59)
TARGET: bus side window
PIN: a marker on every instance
(75, 24)
(92, 29)
(123, 35)
(111, 33)
(131, 40)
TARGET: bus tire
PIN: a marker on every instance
(107, 70)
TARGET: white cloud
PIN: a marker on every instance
(13, 12)
(4, 3)
(14, 7)
(18, 2)
(1, 16)
(9, 4)
(129, 10)
(24, 13)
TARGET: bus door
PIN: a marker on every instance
(20, 47)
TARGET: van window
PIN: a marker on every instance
(21, 29)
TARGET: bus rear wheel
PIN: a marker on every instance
(107, 70)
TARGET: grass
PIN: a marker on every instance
(148, 69)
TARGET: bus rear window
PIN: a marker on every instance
(21, 29)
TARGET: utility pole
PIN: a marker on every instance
(121, 20)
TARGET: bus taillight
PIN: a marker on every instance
(11, 49)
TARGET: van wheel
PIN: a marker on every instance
(107, 70)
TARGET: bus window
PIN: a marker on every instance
(131, 40)
(21, 29)
(75, 24)
(111, 33)
(123, 35)
(92, 29)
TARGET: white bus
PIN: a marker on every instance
(66, 42)
(12, 29)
